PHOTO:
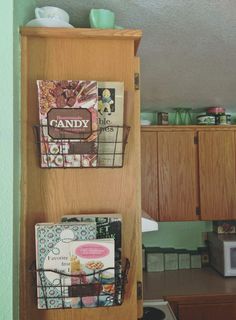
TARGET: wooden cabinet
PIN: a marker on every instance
(194, 171)
(217, 173)
(200, 294)
(47, 194)
(177, 183)
(149, 173)
(216, 311)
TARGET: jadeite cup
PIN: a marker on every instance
(102, 19)
(49, 12)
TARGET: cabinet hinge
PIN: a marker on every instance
(198, 211)
(196, 140)
(139, 290)
(136, 81)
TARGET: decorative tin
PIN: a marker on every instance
(163, 118)
(171, 259)
(195, 259)
(154, 259)
(184, 259)
(224, 226)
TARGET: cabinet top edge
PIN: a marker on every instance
(109, 34)
(187, 128)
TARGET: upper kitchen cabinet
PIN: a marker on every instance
(149, 173)
(189, 173)
(169, 164)
(177, 165)
(217, 173)
(48, 194)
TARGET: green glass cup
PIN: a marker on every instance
(178, 117)
(187, 118)
(102, 19)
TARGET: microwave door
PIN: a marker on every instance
(230, 258)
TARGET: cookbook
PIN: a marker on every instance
(94, 262)
(68, 118)
(110, 121)
(53, 253)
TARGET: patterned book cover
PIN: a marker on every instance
(53, 252)
(107, 226)
(68, 119)
(110, 117)
(94, 261)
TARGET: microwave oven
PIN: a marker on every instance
(222, 249)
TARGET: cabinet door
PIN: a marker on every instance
(48, 194)
(177, 165)
(149, 173)
(217, 175)
(217, 311)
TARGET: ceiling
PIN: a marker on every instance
(188, 50)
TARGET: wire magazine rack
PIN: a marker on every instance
(102, 148)
(72, 291)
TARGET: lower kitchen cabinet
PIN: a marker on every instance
(193, 294)
(213, 311)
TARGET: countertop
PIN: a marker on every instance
(192, 282)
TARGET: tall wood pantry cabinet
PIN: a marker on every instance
(47, 194)
(189, 173)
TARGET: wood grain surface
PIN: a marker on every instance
(177, 176)
(214, 311)
(149, 176)
(47, 194)
(217, 165)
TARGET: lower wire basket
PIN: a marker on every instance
(80, 290)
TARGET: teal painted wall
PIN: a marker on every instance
(186, 235)
(152, 116)
(12, 15)
(6, 160)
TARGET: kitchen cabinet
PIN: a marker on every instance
(177, 183)
(217, 175)
(194, 174)
(48, 194)
(149, 173)
(200, 294)
(216, 311)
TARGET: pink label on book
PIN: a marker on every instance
(92, 251)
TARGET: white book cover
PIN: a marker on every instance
(53, 253)
(94, 261)
(110, 117)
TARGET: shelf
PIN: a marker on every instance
(187, 128)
